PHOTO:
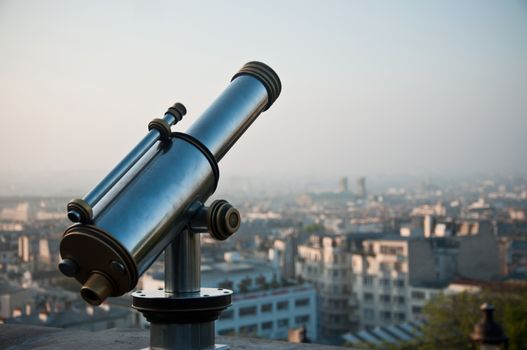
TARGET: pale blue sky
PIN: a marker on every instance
(368, 86)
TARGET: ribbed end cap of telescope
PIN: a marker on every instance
(267, 77)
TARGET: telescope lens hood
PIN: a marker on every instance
(266, 75)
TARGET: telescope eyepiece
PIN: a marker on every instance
(266, 75)
(96, 289)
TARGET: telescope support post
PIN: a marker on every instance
(183, 264)
(182, 315)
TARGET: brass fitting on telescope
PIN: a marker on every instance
(112, 273)
(96, 289)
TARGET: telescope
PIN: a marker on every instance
(152, 202)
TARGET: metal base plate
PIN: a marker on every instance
(216, 347)
(203, 306)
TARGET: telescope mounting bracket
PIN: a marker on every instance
(182, 314)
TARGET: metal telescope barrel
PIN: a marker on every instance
(83, 210)
(153, 200)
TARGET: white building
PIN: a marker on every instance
(393, 278)
(271, 313)
(383, 272)
(260, 305)
(325, 263)
(419, 296)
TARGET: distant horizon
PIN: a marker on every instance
(64, 185)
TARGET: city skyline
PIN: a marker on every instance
(431, 88)
(348, 265)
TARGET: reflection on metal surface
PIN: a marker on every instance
(149, 198)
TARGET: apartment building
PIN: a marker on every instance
(325, 263)
(271, 313)
(393, 277)
(261, 306)
(382, 273)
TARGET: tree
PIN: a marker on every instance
(451, 318)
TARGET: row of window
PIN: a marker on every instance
(389, 250)
(369, 315)
(245, 283)
(264, 308)
(418, 295)
(265, 326)
(384, 282)
(385, 298)
(335, 304)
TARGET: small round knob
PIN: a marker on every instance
(68, 267)
(223, 220)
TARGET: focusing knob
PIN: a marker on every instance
(223, 220)
(68, 267)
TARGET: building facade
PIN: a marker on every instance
(325, 263)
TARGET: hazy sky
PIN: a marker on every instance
(368, 86)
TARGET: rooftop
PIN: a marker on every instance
(21, 337)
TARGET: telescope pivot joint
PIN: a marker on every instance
(221, 220)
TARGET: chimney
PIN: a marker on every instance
(43, 316)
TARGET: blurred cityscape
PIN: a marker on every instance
(345, 265)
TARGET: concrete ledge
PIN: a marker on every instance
(22, 337)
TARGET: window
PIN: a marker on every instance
(261, 281)
(336, 304)
(385, 282)
(400, 316)
(247, 311)
(245, 284)
(227, 315)
(368, 297)
(399, 283)
(248, 330)
(368, 314)
(387, 315)
(338, 319)
(282, 305)
(228, 331)
(267, 325)
(418, 295)
(385, 267)
(391, 250)
(284, 322)
(399, 300)
(302, 319)
(384, 298)
(417, 309)
(225, 285)
(367, 280)
(302, 302)
(266, 308)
